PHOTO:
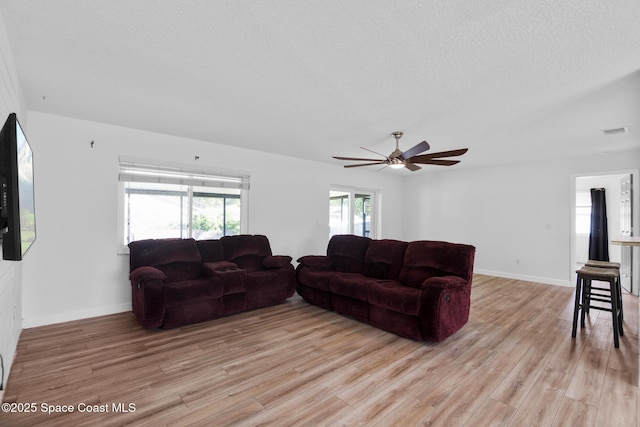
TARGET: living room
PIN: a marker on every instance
(517, 214)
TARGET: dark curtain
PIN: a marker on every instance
(599, 237)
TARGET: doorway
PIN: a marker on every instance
(352, 211)
(622, 212)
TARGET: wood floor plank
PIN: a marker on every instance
(618, 400)
(514, 363)
(466, 399)
(540, 410)
(491, 414)
(573, 413)
(588, 379)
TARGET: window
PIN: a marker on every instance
(583, 212)
(159, 201)
(351, 212)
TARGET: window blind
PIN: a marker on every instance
(140, 171)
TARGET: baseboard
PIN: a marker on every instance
(33, 322)
(536, 279)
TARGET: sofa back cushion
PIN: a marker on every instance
(178, 259)
(246, 251)
(383, 259)
(425, 258)
(210, 250)
(347, 252)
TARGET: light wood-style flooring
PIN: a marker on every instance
(294, 364)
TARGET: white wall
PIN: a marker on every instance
(73, 270)
(517, 216)
(11, 101)
(511, 214)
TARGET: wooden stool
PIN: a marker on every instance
(616, 266)
(587, 294)
(603, 264)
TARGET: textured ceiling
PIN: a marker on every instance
(512, 80)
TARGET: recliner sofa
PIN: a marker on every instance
(419, 290)
(176, 282)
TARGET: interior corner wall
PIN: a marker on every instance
(517, 216)
(73, 270)
(11, 101)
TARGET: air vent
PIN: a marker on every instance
(615, 131)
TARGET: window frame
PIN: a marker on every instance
(191, 177)
(374, 197)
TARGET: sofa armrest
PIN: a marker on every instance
(146, 287)
(444, 282)
(276, 261)
(212, 268)
(145, 274)
(321, 261)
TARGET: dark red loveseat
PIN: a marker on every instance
(175, 282)
(419, 290)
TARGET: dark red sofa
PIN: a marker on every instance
(175, 282)
(419, 290)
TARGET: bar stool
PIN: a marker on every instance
(602, 264)
(616, 266)
(587, 294)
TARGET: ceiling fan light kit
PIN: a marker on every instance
(407, 159)
(396, 164)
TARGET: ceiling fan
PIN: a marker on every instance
(408, 159)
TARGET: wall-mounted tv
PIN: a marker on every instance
(17, 200)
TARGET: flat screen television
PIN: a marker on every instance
(17, 200)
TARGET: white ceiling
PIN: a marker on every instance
(513, 80)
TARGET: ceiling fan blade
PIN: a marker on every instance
(418, 159)
(381, 162)
(411, 166)
(356, 158)
(423, 146)
(438, 162)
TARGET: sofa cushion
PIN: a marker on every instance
(179, 271)
(213, 267)
(210, 250)
(354, 285)
(318, 279)
(347, 252)
(188, 291)
(395, 297)
(415, 276)
(425, 259)
(179, 259)
(276, 261)
(315, 261)
(246, 251)
(233, 281)
(383, 259)
(245, 244)
(453, 258)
